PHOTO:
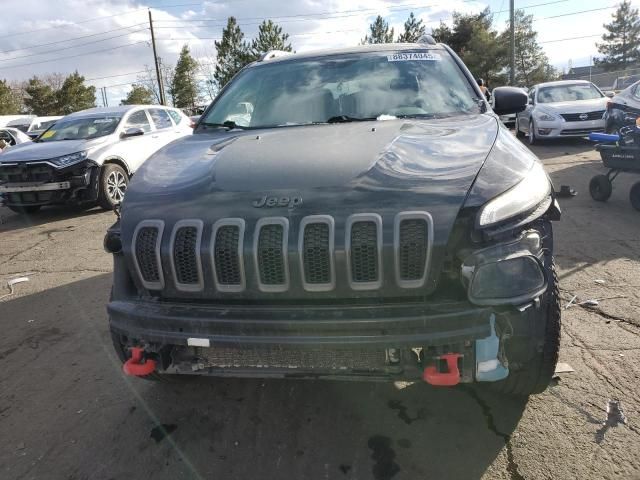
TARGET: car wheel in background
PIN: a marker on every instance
(600, 188)
(634, 195)
(25, 210)
(113, 185)
(519, 133)
(531, 135)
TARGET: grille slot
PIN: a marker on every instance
(364, 248)
(270, 250)
(412, 254)
(316, 245)
(146, 249)
(185, 255)
(228, 239)
(413, 234)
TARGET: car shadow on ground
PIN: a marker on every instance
(557, 148)
(10, 220)
(81, 418)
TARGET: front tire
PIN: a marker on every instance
(113, 185)
(534, 376)
(531, 135)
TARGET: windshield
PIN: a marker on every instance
(351, 87)
(39, 127)
(568, 93)
(81, 128)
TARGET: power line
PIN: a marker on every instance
(113, 76)
(576, 13)
(570, 38)
(73, 46)
(73, 56)
(93, 19)
(71, 39)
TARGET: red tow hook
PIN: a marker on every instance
(432, 376)
(137, 366)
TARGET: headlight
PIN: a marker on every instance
(532, 190)
(545, 117)
(66, 160)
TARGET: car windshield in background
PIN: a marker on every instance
(345, 88)
(81, 128)
(568, 93)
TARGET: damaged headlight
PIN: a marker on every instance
(524, 197)
(505, 274)
(66, 160)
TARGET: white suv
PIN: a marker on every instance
(87, 157)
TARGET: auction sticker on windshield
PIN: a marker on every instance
(411, 56)
(48, 134)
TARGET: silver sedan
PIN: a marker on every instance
(567, 108)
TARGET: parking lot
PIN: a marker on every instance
(67, 411)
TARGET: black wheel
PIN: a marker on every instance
(634, 195)
(26, 209)
(519, 133)
(123, 355)
(531, 135)
(113, 185)
(600, 188)
(533, 375)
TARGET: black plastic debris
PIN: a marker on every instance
(159, 432)
(566, 192)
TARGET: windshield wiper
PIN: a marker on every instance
(347, 118)
(229, 124)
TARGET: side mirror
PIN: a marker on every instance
(508, 100)
(609, 93)
(132, 132)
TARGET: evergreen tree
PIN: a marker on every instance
(232, 53)
(485, 55)
(413, 30)
(40, 98)
(621, 45)
(459, 36)
(10, 102)
(139, 95)
(184, 87)
(74, 95)
(532, 65)
(270, 37)
(378, 32)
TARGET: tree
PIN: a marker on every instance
(184, 88)
(459, 35)
(378, 32)
(232, 53)
(413, 30)
(485, 55)
(621, 45)
(532, 65)
(139, 95)
(10, 102)
(74, 95)
(40, 98)
(270, 37)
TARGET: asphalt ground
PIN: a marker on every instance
(67, 411)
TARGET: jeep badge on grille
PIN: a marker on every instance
(270, 202)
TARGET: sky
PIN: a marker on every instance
(108, 41)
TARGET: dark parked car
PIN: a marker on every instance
(623, 109)
(371, 219)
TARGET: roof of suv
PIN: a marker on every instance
(378, 47)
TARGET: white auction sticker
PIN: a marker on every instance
(411, 56)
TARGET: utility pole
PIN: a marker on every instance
(104, 93)
(512, 53)
(155, 59)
